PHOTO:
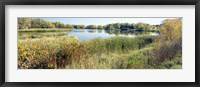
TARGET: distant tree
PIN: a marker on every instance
(116, 25)
(27, 23)
(36, 23)
(59, 24)
(69, 26)
(155, 27)
(148, 27)
(80, 26)
(109, 26)
(24, 23)
(140, 26)
(75, 26)
(91, 27)
(132, 26)
(124, 25)
(47, 24)
(100, 27)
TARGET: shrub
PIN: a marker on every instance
(49, 52)
(167, 50)
(170, 29)
(169, 42)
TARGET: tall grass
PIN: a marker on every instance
(48, 52)
(62, 52)
(117, 44)
(33, 35)
(45, 30)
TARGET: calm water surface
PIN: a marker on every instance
(87, 34)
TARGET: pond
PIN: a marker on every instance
(87, 34)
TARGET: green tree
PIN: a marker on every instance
(80, 26)
(47, 24)
(36, 23)
(24, 23)
(59, 24)
(100, 27)
(124, 25)
(140, 26)
(171, 29)
(91, 27)
(109, 26)
(169, 43)
(69, 26)
(116, 25)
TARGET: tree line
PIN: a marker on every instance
(28, 23)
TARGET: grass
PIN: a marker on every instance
(33, 35)
(111, 53)
(119, 44)
(47, 52)
(44, 30)
(40, 32)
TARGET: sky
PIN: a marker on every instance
(104, 21)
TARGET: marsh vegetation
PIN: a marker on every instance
(48, 45)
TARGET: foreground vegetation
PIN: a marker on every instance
(144, 52)
(66, 51)
(112, 53)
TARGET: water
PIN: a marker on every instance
(86, 34)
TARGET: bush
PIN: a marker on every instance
(167, 50)
(170, 29)
(169, 42)
(49, 52)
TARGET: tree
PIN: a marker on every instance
(171, 29)
(109, 26)
(140, 26)
(69, 26)
(24, 23)
(169, 43)
(148, 27)
(36, 23)
(27, 23)
(132, 26)
(47, 24)
(125, 25)
(80, 26)
(116, 25)
(91, 27)
(59, 24)
(75, 26)
(100, 27)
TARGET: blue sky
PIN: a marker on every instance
(104, 21)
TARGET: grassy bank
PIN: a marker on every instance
(44, 30)
(111, 53)
(34, 35)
